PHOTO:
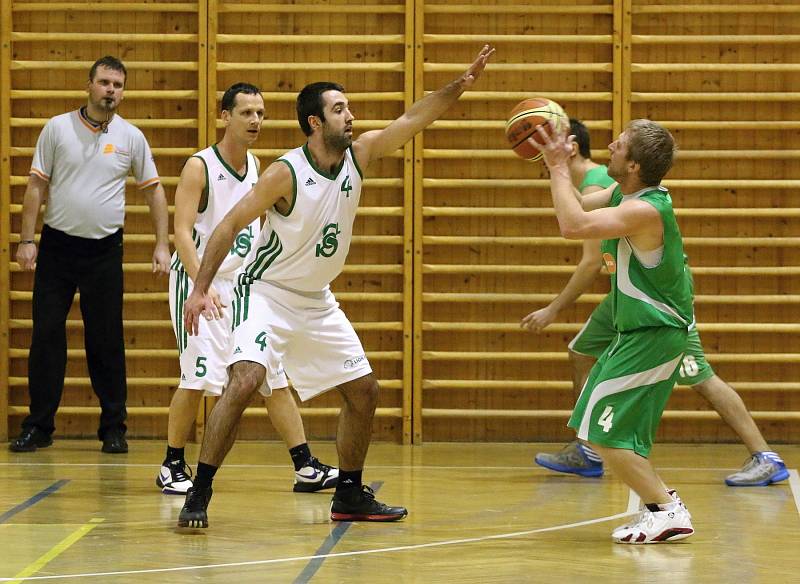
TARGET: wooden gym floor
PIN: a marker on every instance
(478, 513)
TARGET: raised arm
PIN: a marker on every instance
(378, 143)
(628, 219)
(597, 199)
(32, 201)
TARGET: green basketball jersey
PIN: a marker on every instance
(597, 176)
(654, 296)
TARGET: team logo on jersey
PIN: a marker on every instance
(347, 186)
(310, 182)
(611, 265)
(329, 243)
(221, 177)
(243, 243)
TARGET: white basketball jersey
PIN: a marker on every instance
(225, 189)
(306, 248)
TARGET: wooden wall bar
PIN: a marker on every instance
(53, 46)
(456, 239)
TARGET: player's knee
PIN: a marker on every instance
(245, 378)
(362, 394)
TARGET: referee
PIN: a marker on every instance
(80, 164)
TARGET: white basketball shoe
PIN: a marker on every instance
(668, 525)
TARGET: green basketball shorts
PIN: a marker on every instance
(623, 399)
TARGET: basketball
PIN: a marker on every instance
(523, 120)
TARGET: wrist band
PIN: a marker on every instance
(22, 241)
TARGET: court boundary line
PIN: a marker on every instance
(401, 548)
(794, 485)
(313, 566)
(32, 500)
(633, 502)
(56, 550)
(372, 466)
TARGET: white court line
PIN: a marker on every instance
(332, 555)
(371, 466)
(794, 484)
(633, 502)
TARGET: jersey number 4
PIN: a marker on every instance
(606, 419)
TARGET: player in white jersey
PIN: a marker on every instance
(212, 182)
(287, 312)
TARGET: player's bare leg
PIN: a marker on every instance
(354, 501)
(662, 518)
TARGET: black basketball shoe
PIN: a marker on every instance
(360, 505)
(194, 509)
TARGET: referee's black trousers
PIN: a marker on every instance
(93, 267)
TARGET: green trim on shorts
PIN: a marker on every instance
(181, 294)
(241, 301)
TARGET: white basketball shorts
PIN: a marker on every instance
(307, 333)
(205, 357)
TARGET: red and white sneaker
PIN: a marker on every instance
(669, 525)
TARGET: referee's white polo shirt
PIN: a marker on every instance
(86, 169)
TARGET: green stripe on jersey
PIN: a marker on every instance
(265, 255)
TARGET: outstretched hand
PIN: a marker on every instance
(555, 146)
(478, 65)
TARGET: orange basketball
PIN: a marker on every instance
(523, 120)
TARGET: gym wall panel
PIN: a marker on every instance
(53, 47)
(485, 231)
(456, 239)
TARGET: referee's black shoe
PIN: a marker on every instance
(30, 439)
(114, 442)
(360, 505)
(195, 509)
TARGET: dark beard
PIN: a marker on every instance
(337, 142)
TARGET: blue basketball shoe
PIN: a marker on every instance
(575, 458)
(760, 470)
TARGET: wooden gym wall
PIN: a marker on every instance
(456, 238)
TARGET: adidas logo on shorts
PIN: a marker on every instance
(310, 182)
(237, 350)
(221, 177)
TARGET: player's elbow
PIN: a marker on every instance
(570, 230)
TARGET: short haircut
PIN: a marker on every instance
(578, 129)
(108, 62)
(309, 102)
(229, 97)
(653, 148)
